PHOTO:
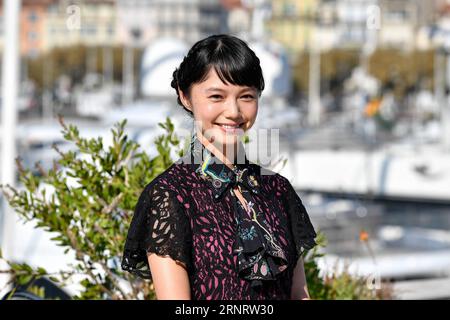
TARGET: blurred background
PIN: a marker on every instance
(359, 90)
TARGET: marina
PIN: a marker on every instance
(371, 168)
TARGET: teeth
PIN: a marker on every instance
(229, 127)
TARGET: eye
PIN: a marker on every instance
(215, 96)
(248, 97)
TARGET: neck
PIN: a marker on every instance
(228, 154)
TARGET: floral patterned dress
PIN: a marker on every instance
(231, 251)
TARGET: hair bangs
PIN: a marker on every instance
(236, 68)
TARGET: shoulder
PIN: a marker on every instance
(171, 180)
(272, 178)
(162, 197)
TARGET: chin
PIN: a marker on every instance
(227, 138)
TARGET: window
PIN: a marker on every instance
(32, 35)
(289, 9)
(53, 8)
(33, 52)
(32, 17)
(89, 30)
(398, 15)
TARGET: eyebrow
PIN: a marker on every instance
(219, 89)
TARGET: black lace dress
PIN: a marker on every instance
(191, 213)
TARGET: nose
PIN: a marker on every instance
(233, 110)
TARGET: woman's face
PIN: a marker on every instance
(224, 111)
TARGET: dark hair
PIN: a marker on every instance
(231, 58)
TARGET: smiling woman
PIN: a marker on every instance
(222, 79)
(214, 225)
(222, 113)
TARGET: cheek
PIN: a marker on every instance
(211, 112)
(250, 112)
(206, 113)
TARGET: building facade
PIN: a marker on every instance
(141, 21)
(46, 24)
(292, 23)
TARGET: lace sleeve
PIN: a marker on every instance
(159, 225)
(301, 226)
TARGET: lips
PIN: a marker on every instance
(229, 125)
(230, 128)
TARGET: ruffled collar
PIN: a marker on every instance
(260, 257)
